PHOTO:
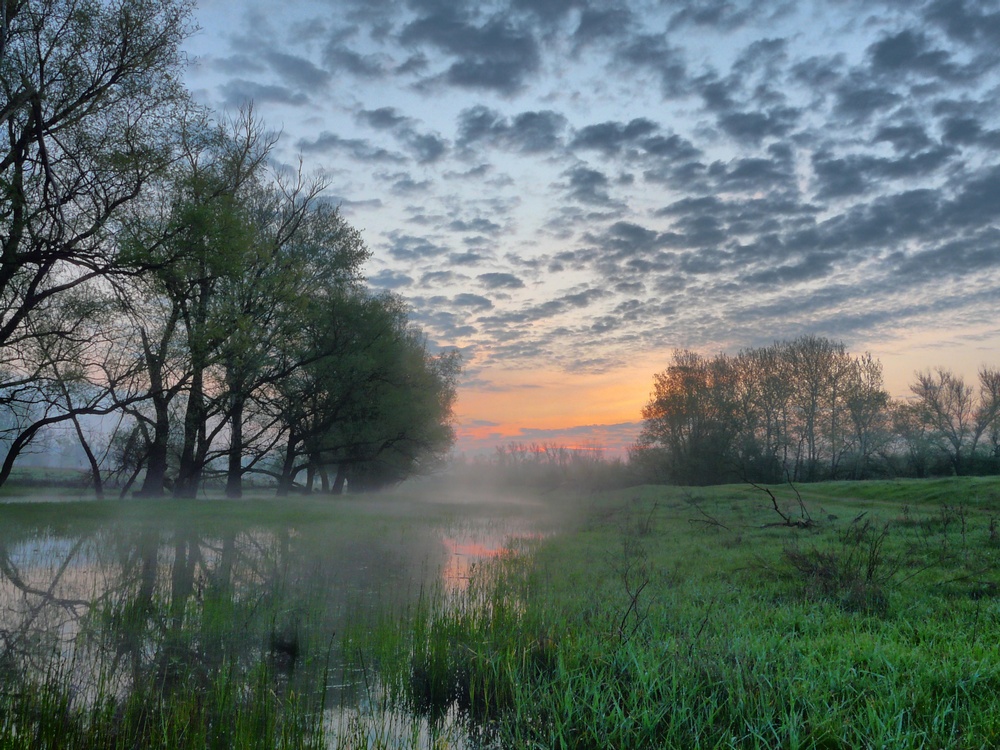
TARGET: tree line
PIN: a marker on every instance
(161, 275)
(808, 410)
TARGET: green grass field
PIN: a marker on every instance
(836, 615)
(703, 618)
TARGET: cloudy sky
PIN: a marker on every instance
(567, 190)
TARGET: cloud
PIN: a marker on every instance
(484, 226)
(390, 279)
(597, 24)
(610, 137)
(297, 71)
(500, 281)
(341, 58)
(494, 56)
(905, 138)
(474, 301)
(855, 174)
(383, 118)
(753, 127)
(589, 186)
(439, 278)
(526, 133)
(653, 53)
(427, 148)
(238, 91)
(357, 148)
(466, 259)
(409, 247)
(909, 51)
(858, 99)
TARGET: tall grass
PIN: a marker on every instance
(654, 626)
(663, 618)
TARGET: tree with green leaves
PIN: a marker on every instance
(372, 403)
(89, 93)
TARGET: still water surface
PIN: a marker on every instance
(107, 599)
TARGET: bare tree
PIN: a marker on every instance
(955, 415)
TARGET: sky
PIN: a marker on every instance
(569, 190)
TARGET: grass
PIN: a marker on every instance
(659, 617)
(680, 618)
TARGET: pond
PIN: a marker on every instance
(111, 596)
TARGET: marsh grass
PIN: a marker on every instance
(214, 623)
(659, 618)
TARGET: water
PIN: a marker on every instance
(110, 600)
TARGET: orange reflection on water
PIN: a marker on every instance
(463, 554)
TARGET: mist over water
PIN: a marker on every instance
(115, 594)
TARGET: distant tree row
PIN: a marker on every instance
(158, 274)
(545, 466)
(807, 410)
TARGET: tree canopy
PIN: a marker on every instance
(159, 274)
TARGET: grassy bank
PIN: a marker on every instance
(852, 615)
(835, 615)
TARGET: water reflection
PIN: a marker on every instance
(172, 602)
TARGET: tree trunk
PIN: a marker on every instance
(156, 458)
(234, 474)
(287, 478)
(338, 483)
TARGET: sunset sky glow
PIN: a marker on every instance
(567, 190)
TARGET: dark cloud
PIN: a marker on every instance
(977, 254)
(238, 91)
(466, 259)
(297, 71)
(474, 301)
(356, 148)
(652, 52)
(426, 148)
(340, 57)
(500, 281)
(439, 278)
(813, 266)
(976, 202)
(717, 14)
(856, 174)
(548, 10)
(390, 279)
(755, 174)
(238, 64)
(753, 127)
(485, 226)
(910, 51)
(406, 185)
(383, 118)
(906, 138)
(495, 55)
(973, 23)
(858, 100)
(610, 137)
(409, 247)
(602, 23)
(588, 186)
(528, 132)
